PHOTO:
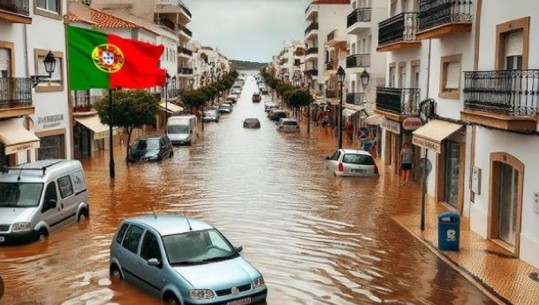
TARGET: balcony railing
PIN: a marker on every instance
(84, 102)
(21, 7)
(358, 15)
(401, 27)
(185, 70)
(402, 101)
(185, 51)
(508, 92)
(440, 12)
(186, 31)
(312, 72)
(355, 98)
(15, 92)
(313, 50)
(312, 26)
(187, 12)
(331, 93)
(331, 35)
(358, 61)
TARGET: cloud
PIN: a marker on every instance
(252, 30)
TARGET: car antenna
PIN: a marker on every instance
(153, 212)
(188, 223)
(20, 172)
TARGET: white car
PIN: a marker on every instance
(352, 162)
(288, 125)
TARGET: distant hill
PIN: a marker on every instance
(246, 65)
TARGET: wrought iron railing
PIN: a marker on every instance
(401, 27)
(439, 12)
(358, 15)
(312, 72)
(15, 92)
(312, 26)
(21, 7)
(355, 98)
(331, 35)
(187, 12)
(182, 70)
(358, 60)
(186, 31)
(313, 50)
(403, 101)
(185, 51)
(84, 102)
(509, 92)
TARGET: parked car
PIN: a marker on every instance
(352, 162)
(183, 261)
(39, 198)
(224, 108)
(277, 114)
(270, 105)
(251, 123)
(182, 129)
(263, 89)
(256, 97)
(150, 148)
(210, 116)
(288, 125)
(232, 98)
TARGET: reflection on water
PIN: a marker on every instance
(316, 239)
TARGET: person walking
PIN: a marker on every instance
(349, 127)
(406, 155)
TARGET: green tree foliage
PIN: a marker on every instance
(130, 109)
(194, 99)
(299, 98)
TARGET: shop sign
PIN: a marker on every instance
(16, 148)
(390, 125)
(50, 121)
(411, 123)
(427, 144)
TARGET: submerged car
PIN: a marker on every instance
(251, 123)
(210, 116)
(256, 97)
(183, 261)
(352, 162)
(288, 125)
(150, 148)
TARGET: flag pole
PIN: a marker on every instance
(111, 147)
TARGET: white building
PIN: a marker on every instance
(34, 116)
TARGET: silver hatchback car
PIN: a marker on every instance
(352, 162)
(183, 261)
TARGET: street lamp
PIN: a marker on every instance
(364, 78)
(50, 65)
(167, 79)
(191, 82)
(340, 79)
(309, 78)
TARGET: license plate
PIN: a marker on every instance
(359, 170)
(240, 302)
(2, 239)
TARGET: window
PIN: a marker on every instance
(415, 74)
(51, 147)
(48, 8)
(512, 44)
(402, 75)
(450, 76)
(50, 5)
(392, 76)
(513, 50)
(65, 186)
(5, 62)
(121, 233)
(55, 82)
(132, 238)
(150, 247)
(50, 197)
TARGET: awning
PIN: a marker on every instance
(170, 107)
(373, 119)
(16, 138)
(94, 124)
(431, 135)
(349, 112)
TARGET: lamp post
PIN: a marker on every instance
(364, 79)
(309, 80)
(50, 65)
(191, 82)
(340, 79)
(167, 79)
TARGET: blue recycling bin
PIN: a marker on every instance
(448, 231)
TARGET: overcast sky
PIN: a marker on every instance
(251, 30)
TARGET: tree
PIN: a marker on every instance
(194, 99)
(130, 109)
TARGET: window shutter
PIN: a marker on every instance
(514, 43)
(453, 75)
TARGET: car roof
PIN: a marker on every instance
(39, 171)
(253, 119)
(150, 136)
(169, 224)
(355, 151)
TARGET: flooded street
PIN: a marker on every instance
(316, 239)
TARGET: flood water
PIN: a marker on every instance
(316, 239)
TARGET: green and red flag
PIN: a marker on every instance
(101, 60)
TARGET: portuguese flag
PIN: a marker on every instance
(100, 60)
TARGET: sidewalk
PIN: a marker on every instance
(506, 279)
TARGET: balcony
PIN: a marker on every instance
(184, 51)
(398, 32)
(174, 7)
(331, 93)
(15, 97)
(355, 98)
(15, 11)
(398, 102)
(311, 72)
(502, 99)
(358, 61)
(311, 31)
(311, 53)
(358, 20)
(444, 17)
(184, 30)
(185, 70)
(330, 65)
(84, 102)
(311, 11)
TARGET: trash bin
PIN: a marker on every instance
(448, 231)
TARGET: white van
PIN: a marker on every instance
(40, 197)
(182, 129)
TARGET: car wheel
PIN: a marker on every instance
(115, 272)
(172, 300)
(83, 215)
(42, 234)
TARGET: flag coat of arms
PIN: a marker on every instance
(101, 60)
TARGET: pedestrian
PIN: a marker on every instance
(406, 155)
(349, 127)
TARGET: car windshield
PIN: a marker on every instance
(145, 144)
(178, 129)
(20, 194)
(358, 159)
(209, 114)
(197, 247)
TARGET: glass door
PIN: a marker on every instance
(508, 204)
(452, 159)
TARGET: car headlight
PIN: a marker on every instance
(259, 281)
(21, 227)
(201, 294)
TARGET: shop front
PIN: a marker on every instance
(90, 135)
(15, 140)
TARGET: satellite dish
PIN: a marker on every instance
(421, 165)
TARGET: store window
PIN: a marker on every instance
(51, 147)
(452, 159)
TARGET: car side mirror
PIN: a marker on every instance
(239, 248)
(154, 262)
